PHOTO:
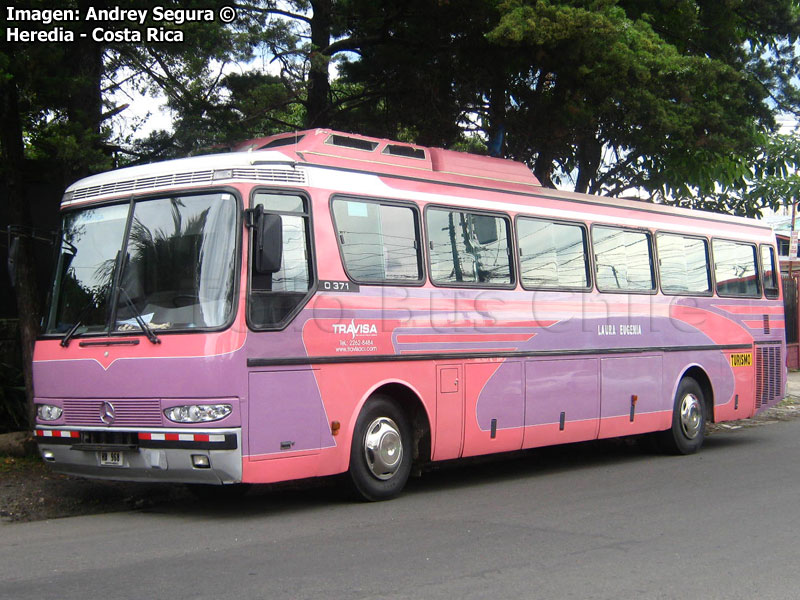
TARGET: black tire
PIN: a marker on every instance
(688, 420)
(380, 457)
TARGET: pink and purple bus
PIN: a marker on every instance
(321, 303)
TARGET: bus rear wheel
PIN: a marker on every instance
(380, 457)
(688, 420)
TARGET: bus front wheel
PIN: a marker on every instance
(380, 458)
(688, 420)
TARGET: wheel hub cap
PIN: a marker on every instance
(691, 416)
(383, 448)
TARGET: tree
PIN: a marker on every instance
(52, 107)
(612, 96)
(767, 179)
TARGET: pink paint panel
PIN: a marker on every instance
(449, 412)
(622, 426)
(346, 387)
(715, 326)
(745, 388)
(280, 469)
(464, 337)
(744, 309)
(172, 346)
(550, 434)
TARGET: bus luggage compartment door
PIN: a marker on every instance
(449, 411)
(285, 414)
(632, 399)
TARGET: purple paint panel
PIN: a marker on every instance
(555, 386)
(714, 363)
(195, 377)
(286, 413)
(502, 397)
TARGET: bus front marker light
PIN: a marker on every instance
(201, 461)
(198, 413)
(48, 412)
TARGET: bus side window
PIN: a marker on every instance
(735, 268)
(624, 260)
(379, 242)
(552, 255)
(683, 264)
(467, 248)
(275, 296)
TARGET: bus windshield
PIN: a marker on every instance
(169, 264)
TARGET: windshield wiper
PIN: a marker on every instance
(72, 331)
(138, 316)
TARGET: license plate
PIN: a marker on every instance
(111, 459)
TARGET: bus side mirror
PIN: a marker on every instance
(269, 243)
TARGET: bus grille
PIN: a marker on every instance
(143, 183)
(768, 375)
(129, 412)
(276, 175)
(294, 176)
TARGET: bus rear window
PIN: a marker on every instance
(735, 268)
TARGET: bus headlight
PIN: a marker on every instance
(198, 413)
(48, 412)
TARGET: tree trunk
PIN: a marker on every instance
(590, 153)
(84, 102)
(543, 168)
(497, 118)
(319, 87)
(19, 214)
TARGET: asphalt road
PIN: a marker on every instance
(586, 521)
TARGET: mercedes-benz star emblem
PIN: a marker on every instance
(107, 413)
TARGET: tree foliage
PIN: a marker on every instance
(666, 100)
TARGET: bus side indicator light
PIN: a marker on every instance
(335, 426)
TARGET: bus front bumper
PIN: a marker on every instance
(185, 456)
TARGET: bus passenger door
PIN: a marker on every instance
(449, 411)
